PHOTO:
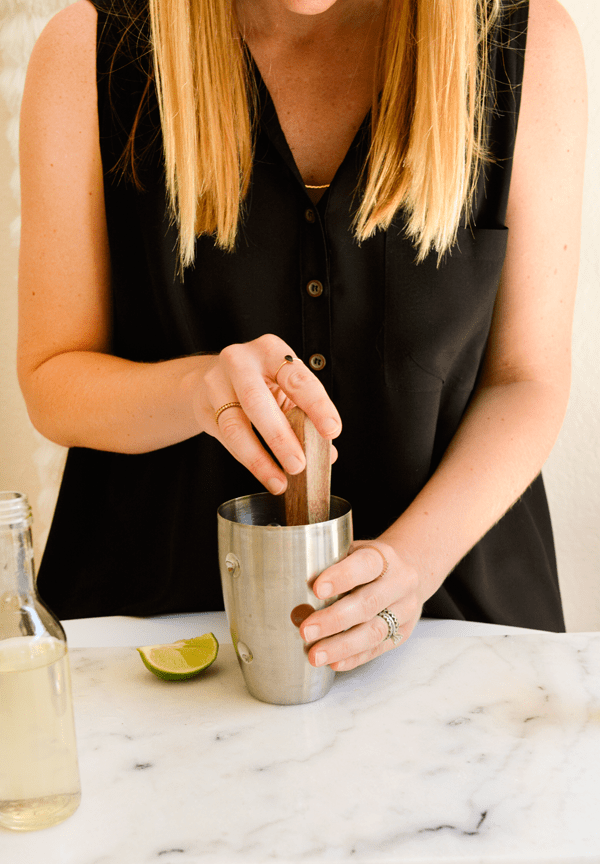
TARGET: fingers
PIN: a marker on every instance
(261, 365)
(365, 563)
(351, 631)
(258, 385)
(237, 435)
(306, 391)
(363, 642)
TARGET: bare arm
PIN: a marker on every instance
(519, 406)
(77, 393)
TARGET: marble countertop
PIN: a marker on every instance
(470, 743)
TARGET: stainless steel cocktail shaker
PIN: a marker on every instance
(267, 571)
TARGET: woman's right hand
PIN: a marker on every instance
(256, 375)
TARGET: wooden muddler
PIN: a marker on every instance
(307, 493)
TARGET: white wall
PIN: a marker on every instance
(33, 465)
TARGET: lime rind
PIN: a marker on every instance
(180, 660)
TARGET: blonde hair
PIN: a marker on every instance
(428, 125)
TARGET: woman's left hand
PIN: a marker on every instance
(372, 578)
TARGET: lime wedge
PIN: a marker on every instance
(182, 659)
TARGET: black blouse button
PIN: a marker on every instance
(316, 362)
(314, 288)
(309, 215)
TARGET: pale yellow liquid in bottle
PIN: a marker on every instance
(39, 776)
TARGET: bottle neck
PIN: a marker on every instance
(21, 611)
(16, 547)
(16, 562)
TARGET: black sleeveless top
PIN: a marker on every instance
(398, 346)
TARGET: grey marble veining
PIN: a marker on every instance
(478, 750)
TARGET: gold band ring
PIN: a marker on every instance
(386, 565)
(287, 359)
(224, 408)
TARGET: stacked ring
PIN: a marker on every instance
(393, 626)
(224, 408)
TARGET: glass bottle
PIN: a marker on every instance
(39, 775)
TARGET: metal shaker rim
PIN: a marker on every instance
(265, 511)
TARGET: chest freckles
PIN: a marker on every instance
(320, 103)
(319, 123)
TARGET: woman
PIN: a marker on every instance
(158, 307)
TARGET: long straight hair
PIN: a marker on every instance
(428, 122)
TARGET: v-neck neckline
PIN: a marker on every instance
(269, 119)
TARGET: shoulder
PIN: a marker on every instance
(60, 86)
(553, 43)
(549, 15)
(59, 107)
(71, 33)
(58, 111)
(549, 157)
(63, 66)
(71, 22)
(66, 47)
(554, 85)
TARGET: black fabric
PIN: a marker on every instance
(403, 345)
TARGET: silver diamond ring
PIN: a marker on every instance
(393, 626)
